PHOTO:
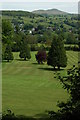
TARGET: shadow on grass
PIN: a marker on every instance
(21, 60)
(5, 61)
(21, 117)
(37, 64)
(9, 115)
(42, 116)
(51, 69)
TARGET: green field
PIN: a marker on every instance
(29, 88)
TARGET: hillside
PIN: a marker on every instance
(50, 12)
(18, 13)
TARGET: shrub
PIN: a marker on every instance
(41, 56)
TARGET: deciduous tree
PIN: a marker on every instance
(7, 31)
(69, 110)
(41, 56)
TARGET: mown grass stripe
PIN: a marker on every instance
(29, 88)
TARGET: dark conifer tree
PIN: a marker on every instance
(57, 54)
(24, 50)
(8, 55)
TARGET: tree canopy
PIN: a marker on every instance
(7, 31)
(57, 54)
(24, 50)
(41, 56)
(69, 110)
(8, 55)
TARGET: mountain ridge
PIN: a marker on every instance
(50, 12)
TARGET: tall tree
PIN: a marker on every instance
(7, 39)
(57, 54)
(24, 50)
(18, 37)
(7, 31)
(8, 55)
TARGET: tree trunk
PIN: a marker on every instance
(58, 67)
(38, 62)
(54, 67)
(25, 58)
(41, 62)
(7, 60)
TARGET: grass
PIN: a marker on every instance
(31, 89)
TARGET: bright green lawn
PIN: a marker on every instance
(29, 88)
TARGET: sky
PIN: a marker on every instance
(39, 0)
(70, 7)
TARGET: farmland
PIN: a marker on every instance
(31, 89)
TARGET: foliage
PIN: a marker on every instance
(8, 55)
(31, 39)
(34, 47)
(18, 13)
(57, 54)
(9, 115)
(42, 26)
(41, 56)
(24, 50)
(18, 37)
(71, 109)
(17, 29)
(28, 26)
(71, 39)
(7, 31)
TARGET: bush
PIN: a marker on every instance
(41, 56)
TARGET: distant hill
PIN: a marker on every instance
(18, 13)
(50, 12)
(35, 13)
